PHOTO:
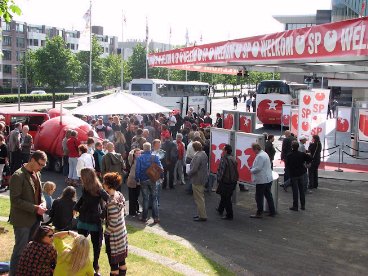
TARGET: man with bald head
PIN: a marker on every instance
(112, 161)
(285, 150)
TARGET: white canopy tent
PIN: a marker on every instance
(120, 103)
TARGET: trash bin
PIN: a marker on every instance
(274, 191)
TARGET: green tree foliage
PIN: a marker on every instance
(137, 62)
(53, 64)
(8, 9)
(29, 69)
(112, 71)
(97, 64)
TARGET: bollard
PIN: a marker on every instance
(338, 167)
(342, 156)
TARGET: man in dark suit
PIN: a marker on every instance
(285, 150)
(26, 204)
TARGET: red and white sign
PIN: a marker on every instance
(245, 123)
(363, 125)
(245, 155)
(306, 101)
(229, 121)
(286, 115)
(343, 40)
(269, 107)
(319, 112)
(219, 138)
(343, 121)
(294, 121)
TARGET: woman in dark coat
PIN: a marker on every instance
(314, 149)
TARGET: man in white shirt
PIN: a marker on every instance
(262, 177)
(172, 124)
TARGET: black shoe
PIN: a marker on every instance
(219, 212)
(244, 189)
(171, 188)
(256, 216)
(226, 218)
(200, 219)
(195, 217)
(272, 215)
(293, 208)
(285, 188)
(303, 208)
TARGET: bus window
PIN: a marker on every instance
(141, 87)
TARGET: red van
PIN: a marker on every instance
(33, 119)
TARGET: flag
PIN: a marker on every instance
(124, 19)
(146, 30)
(170, 32)
(362, 12)
(85, 36)
(186, 38)
(201, 39)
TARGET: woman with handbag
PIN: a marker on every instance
(91, 211)
(133, 187)
(314, 149)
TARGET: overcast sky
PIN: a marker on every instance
(215, 20)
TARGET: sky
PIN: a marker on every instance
(214, 20)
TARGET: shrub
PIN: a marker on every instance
(32, 98)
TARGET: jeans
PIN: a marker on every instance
(198, 195)
(313, 176)
(297, 184)
(73, 168)
(305, 182)
(22, 236)
(149, 189)
(96, 238)
(65, 165)
(133, 200)
(168, 168)
(179, 172)
(264, 190)
(226, 204)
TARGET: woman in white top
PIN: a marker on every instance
(85, 159)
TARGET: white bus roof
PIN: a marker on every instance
(159, 81)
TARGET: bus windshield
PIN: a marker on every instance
(181, 90)
(278, 87)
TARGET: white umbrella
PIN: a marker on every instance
(120, 103)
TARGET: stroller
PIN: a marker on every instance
(6, 177)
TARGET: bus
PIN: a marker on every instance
(175, 95)
(271, 95)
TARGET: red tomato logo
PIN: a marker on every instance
(342, 125)
(286, 120)
(305, 126)
(294, 121)
(320, 96)
(245, 124)
(215, 156)
(363, 124)
(245, 161)
(229, 121)
(307, 99)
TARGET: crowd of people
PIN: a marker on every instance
(146, 153)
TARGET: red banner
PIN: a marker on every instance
(340, 40)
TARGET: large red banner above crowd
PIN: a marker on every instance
(342, 40)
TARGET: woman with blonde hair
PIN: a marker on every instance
(91, 210)
(72, 260)
(120, 142)
(115, 233)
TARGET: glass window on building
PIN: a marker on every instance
(7, 40)
(7, 55)
(43, 43)
(7, 69)
(35, 43)
(72, 46)
(20, 55)
(6, 82)
(60, 33)
(20, 42)
(5, 26)
(19, 28)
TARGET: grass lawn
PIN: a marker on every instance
(171, 249)
(4, 206)
(136, 265)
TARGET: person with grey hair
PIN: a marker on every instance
(149, 188)
(14, 147)
(146, 135)
(178, 170)
(26, 145)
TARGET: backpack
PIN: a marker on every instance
(231, 174)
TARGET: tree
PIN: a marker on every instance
(53, 64)
(112, 71)
(29, 69)
(8, 9)
(137, 62)
(97, 64)
(75, 70)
